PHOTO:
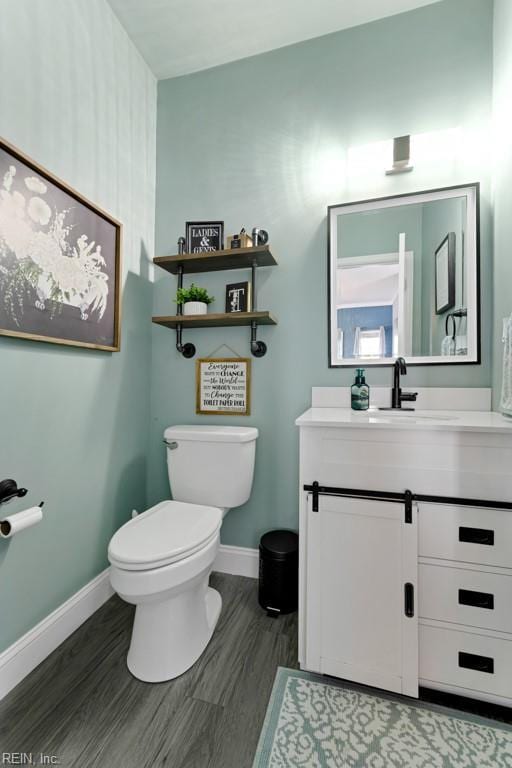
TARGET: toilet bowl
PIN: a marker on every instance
(162, 559)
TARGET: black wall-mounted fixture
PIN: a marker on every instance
(259, 236)
(187, 350)
(458, 313)
(9, 490)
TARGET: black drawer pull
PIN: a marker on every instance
(476, 599)
(409, 600)
(476, 536)
(479, 663)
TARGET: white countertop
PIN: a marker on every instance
(454, 421)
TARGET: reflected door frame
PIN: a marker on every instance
(404, 298)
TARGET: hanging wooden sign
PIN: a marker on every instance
(223, 386)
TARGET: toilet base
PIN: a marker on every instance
(213, 607)
(170, 635)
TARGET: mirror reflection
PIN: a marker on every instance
(403, 274)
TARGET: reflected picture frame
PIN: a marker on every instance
(444, 264)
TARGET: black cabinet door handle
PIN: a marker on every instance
(478, 663)
(409, 600)
(476, 536)
(476, 599)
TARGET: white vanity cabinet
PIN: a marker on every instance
(396, 594)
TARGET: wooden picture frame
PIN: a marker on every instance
(60, 259)
(445, 274)
(223, 386)
(204, 236)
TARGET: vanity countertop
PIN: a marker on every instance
(449, 421)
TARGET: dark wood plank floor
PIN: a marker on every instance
(82, 705)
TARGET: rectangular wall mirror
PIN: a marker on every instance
(403, 279)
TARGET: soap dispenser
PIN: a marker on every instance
(360, 392)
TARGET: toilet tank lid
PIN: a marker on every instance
(211, 434)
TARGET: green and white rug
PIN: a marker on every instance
(313, 724)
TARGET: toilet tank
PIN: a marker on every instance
(211, 465)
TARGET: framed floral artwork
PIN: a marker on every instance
(60, 260)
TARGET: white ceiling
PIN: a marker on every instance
(177, 37)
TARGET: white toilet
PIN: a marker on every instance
(162, 559)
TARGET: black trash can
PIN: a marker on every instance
(279, 572)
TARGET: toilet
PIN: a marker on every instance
(161, 560)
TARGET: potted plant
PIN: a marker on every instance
(194, 300)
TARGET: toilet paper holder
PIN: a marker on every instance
(11, 524)
(9, 490)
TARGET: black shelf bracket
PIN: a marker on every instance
(187, 350)
(258, 348)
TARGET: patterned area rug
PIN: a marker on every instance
(312, 724)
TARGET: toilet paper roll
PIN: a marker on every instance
(19, 521)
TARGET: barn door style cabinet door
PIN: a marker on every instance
(361, 620)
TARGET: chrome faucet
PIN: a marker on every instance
(397, 396)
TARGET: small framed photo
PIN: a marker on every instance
(223, 386)
(238, 297)
(204, 236)
(445, 274)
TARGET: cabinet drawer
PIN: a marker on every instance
(466, 660)
(467, 534)
(462, 596)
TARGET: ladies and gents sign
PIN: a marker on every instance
(204, 236)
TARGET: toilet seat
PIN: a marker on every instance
(164, 534)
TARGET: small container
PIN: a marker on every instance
(242, 240)
(360, 392)
(279, 572)
(195, 308)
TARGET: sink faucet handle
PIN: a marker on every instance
(401, 365)
(409, 396)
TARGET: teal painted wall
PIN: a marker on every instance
(79, 99)
(502, 182)
(360, 234)
(271, 141)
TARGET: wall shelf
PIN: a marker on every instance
(215, 261)
(216, 320)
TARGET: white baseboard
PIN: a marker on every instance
(17, 661)
(240, 561)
